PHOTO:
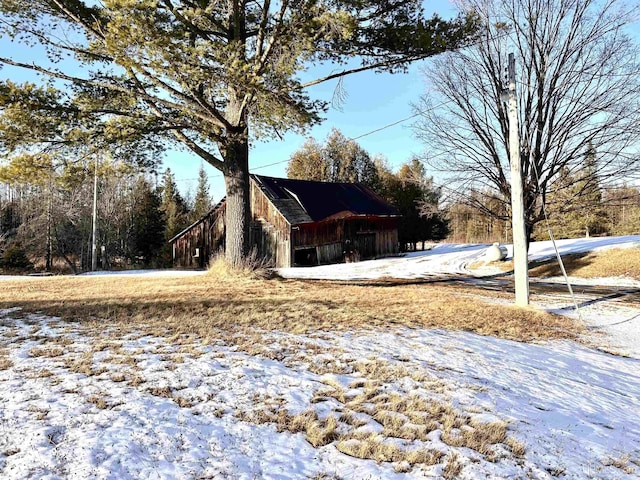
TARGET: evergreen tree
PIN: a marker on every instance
(208, 75)
(591, 216)
(575, 201)
(412, 192)
(173, 206)
(147, 224)
(202, 201)
(176, 214)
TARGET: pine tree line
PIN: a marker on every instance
(46, 219)
(577, 205)
(410, 190)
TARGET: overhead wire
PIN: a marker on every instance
(384, 127)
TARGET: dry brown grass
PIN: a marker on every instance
(502, 265)
(453, 467)
(253, 267)
(622, 462)
(374, 447)
(98, 400)
(200, 305)
(620, 262)
(5, 361)
(49, 352)
(41, 413)
(517, 448)
(407, 418)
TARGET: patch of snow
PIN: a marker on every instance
(575, 409)
(450, 259)
(543, 250)
(148, 273)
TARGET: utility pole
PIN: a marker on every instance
(520, 261)
(94, 247)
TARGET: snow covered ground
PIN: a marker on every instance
(171, 414)
(615, 326)
(454, 259)
(77, 402)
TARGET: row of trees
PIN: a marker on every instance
(578, 92)
(578, 205)
(48, 220)
(617, 213)
(340, 159)
(208, 75)
(211, 76)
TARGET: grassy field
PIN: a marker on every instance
(195, 305)
(192, 321)
(609, 263)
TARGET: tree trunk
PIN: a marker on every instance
(529, 231)
(48, 248)
(236, 179)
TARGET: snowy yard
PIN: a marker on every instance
(89, 400)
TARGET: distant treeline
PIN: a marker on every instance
(47, 224)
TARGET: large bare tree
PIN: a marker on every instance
(207, 74)
(578, 91)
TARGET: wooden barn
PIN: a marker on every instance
(300, 223)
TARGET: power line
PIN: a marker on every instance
(371, 132)
(420, 112)
(384, 127)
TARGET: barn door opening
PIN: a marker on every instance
(305, 257)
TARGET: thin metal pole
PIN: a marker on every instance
(94, 247)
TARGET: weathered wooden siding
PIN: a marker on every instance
(387, 242)
(194, 248)
(371, 236)
(270, 243)
(270, 231)
(263, 209)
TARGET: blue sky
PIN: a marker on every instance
(373, 101)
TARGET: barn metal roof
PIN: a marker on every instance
(305, 201)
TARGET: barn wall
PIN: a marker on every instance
(330, 253)
(207, 237)
(270, 243)
(270, 231)
(371, 236)
(273, 237)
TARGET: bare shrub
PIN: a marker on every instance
(517, 448)
(49, 352)
(621, 462)
(98, 401)
(5, 363)
(252, 267)
(161, 391)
